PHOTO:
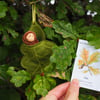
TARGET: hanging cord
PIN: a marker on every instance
(33, 13)
(36, 1)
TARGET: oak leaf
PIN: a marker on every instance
(95, 71)
(61, 76)
(85, 55)
(80, 62)
(94, 57)
(85, 71)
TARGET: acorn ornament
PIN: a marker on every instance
(35, 48)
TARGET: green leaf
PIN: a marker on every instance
(96, 18)
(69, 1)
(3, 53)
(49, 33)
(36, 57)
(61, 10)
(3, 9)
(52, 82)
(65, 29)
(79, 24)
(30, 93)
(12, 32)
(98, 98)
(93, 35)
(42, 84)
(1, 28)
(11, 71)
(53, 72)
(50, 68)
(78, 9)
(3, 72)
(93, 40)
(11, 94)
(26, 21)
(94, 6)
(18, 78)
(62, 55)
(86, 97)
(6, 39)
(13, 13)
(68, 73)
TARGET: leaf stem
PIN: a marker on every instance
(33, 13)
(89, 71)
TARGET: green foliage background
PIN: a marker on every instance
(71, 22)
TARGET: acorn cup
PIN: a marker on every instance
(35, 48)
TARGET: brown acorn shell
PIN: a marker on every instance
(27, 41)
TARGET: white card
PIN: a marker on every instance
(87, 66)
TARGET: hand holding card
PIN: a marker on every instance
(87, 66)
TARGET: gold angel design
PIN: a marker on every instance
(87, 60)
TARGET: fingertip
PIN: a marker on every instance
(49, 97)
(60, 90)
(75, 82)
(73, 90)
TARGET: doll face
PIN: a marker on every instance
(30, 37)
